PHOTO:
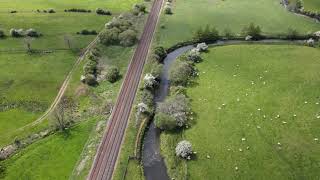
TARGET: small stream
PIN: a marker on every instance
(153, 163)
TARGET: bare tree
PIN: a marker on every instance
(27, 42)
(67, 40)
(62, 115)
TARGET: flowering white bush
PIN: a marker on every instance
(150, 81)
(248, 38)
(142, 108)
(184, 149)
(16, 32)
(176, 107)
(310, 42)
(317, 34)
(202, 47)
(32, 33)
(167, 9)
(194, 55)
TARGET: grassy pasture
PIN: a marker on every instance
(311, 5)
(51, 158)
(256, 83)
(189, 15)
(32, 81)
(60, 5)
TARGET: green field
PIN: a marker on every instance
(51, 158)
(256, 83)
(91, 102)
(20, 5)
(312, 5)
(29, 83)
(189, 15)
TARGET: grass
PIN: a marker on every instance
(60, 5)
(268, 80)
(31, 82)
(91, 100)
(50, 158)
(311, 5)
(189, 15)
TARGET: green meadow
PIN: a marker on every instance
(233, 15)
(256, 115)
(30, 82)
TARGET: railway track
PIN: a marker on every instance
(108, 151)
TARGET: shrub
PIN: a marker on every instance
(150, 81)
(202, 47)
(77, 10)
(206, 35)
(299, 4)
(32, 33)
(253, 31)
(139, 7)
(164, 121)
(90, 79)
(88, 32)
(128, 37)
(90, 67)
(113, 74)
(167, 9)
(194, 55)
(156, 71)
(2, 171)
(51, 10)
(310, 42)
(160, 53)
(16, 32)
(1, 33)
(110, 36)
(147, 97)
(13, 11)
(101, 11)
(143, 108)
(184, 149)
(228, 34)
(180, 73)
(176, 107)
(292, 34)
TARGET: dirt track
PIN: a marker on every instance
(108, 151)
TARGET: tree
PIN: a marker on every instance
(176, 107)
(167, 9)
(299, 5)
(160, 53)
(194, 55)
(128, 37)
(2, 171)
(180, 73)
(150, 81)
(27, 42)
(164, 121)
(184, 149)
(110, 36)
(67, 40)
(62, 114)
(206, 35)
(113, 74)
(253, 31)
(292, 34)
(1, 33)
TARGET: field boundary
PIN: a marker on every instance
(63, 86)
